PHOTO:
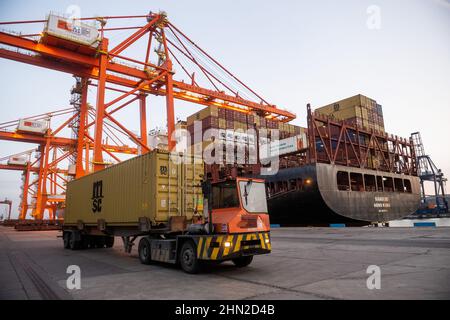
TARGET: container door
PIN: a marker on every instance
(167, 188)
(193, 198)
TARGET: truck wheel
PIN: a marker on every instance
(74, 244)
(66, 240)
(109, 241)
(85, 241)
(144, 251)
(242, 261)
(99, 241)
(188, 258)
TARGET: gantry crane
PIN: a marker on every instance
(128, 75)
(136, 77)
(50, 161)
(428, 171)
(9, 204)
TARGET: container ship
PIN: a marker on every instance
(342, 168)
(323, 194)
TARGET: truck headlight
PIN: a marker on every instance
(227, 244)
(267, 240)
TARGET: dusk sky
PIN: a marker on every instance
(291, 52)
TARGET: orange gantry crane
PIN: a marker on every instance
(53, 161)
(141, 64)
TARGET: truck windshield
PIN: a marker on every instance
(224, 195)
(253, 195)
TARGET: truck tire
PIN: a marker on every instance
(109, 241)
(242, 261)
(188, 258)
(66, 240)
(101, 241)
(74, 244)
(144, 251)
(85, 241)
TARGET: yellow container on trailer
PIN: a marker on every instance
(157, 185)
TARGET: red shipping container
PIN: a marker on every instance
(229, 114)
(210, 122)
(263, 123)
(222, 113)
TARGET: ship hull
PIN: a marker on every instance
(319, 201)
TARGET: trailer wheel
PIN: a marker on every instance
(66, 240)
(188, 258)
(144, 251)
(109, 241)
(242, 261)
(99, 241)
(85, 241)
(74, 244)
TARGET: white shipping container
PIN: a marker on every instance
(222, 134)
(60, 197)
(72, 30)
(72, 169)
(18, 160)
(230, 134)
(302, 141)
(284, 146)
(251, 139)
(33, 126)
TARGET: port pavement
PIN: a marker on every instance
(306, 263)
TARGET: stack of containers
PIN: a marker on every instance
(358, 111)
(232, 126)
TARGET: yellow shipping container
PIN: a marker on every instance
(222, 123)
(351, 102)
(212, 111)
(364, 113)
(151, 186)
(291, 128)
(197, 148)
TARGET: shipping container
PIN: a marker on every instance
(210, 122)
(71, 169)
(211, 111)
(358, 100)
(18, 160)
(72, 30)
(284, 146)
(222, 123)
(33, 126)
(357, 110)
(151, 186)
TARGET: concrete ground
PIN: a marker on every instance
(306, 263)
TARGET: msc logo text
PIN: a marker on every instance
(97, 196)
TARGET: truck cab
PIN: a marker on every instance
(235, 227)
(240, 206)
